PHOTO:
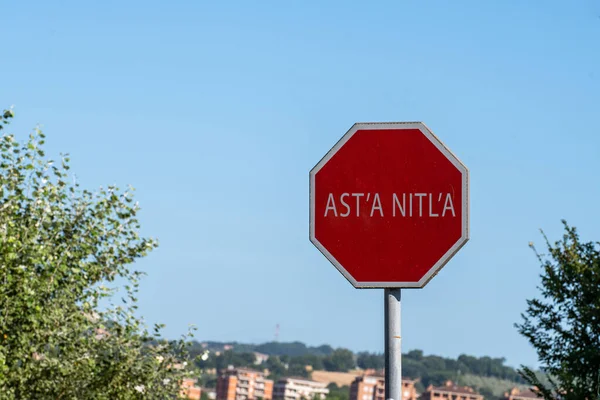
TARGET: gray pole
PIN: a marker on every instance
(393, 348)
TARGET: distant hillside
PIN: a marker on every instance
(291, 349)
(339, 378)
(435, 369)
(487, 375)
(489, 386)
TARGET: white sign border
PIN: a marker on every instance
(465, 203)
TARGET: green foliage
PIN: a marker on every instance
(60, 249)
(489, 387)
(487, 393)
(225, 359)
(292, 349)
(196, 350)
(276, 368)
(297, 367)
(370, 361)
(564, 325)
(338, 393)
(416, 355)
(487, 366)
(315, 361)
(340, 360)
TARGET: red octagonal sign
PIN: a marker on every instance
(389, 205)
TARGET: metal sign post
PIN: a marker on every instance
(393, 345)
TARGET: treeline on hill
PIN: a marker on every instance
(270, 348)
(291, 359)
(279, 363)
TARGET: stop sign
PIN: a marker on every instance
(389, 205)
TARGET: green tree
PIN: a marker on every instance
(280, 349)
(246, 359)
(338, 393)
(412, 368)
(437, 378)
(416, 355)
(340, 360)
(284, 358)
(370, 361)
(487, 393)
(64, 250)
(276, 368)
(564, 325)
(227, 358)
(298, 370)
(435, 363)
(315, 361)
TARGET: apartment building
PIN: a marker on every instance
(516, 394)
(299, 389)
(189, 390)
(373, 388)
(243, 384)
(450, 391)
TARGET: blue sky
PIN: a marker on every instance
(216, 111)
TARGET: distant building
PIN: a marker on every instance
(260, 358)
(450, 392)
(516, 394)
(298, 389)
(189, 390)
(373, 388)
(243, 384)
